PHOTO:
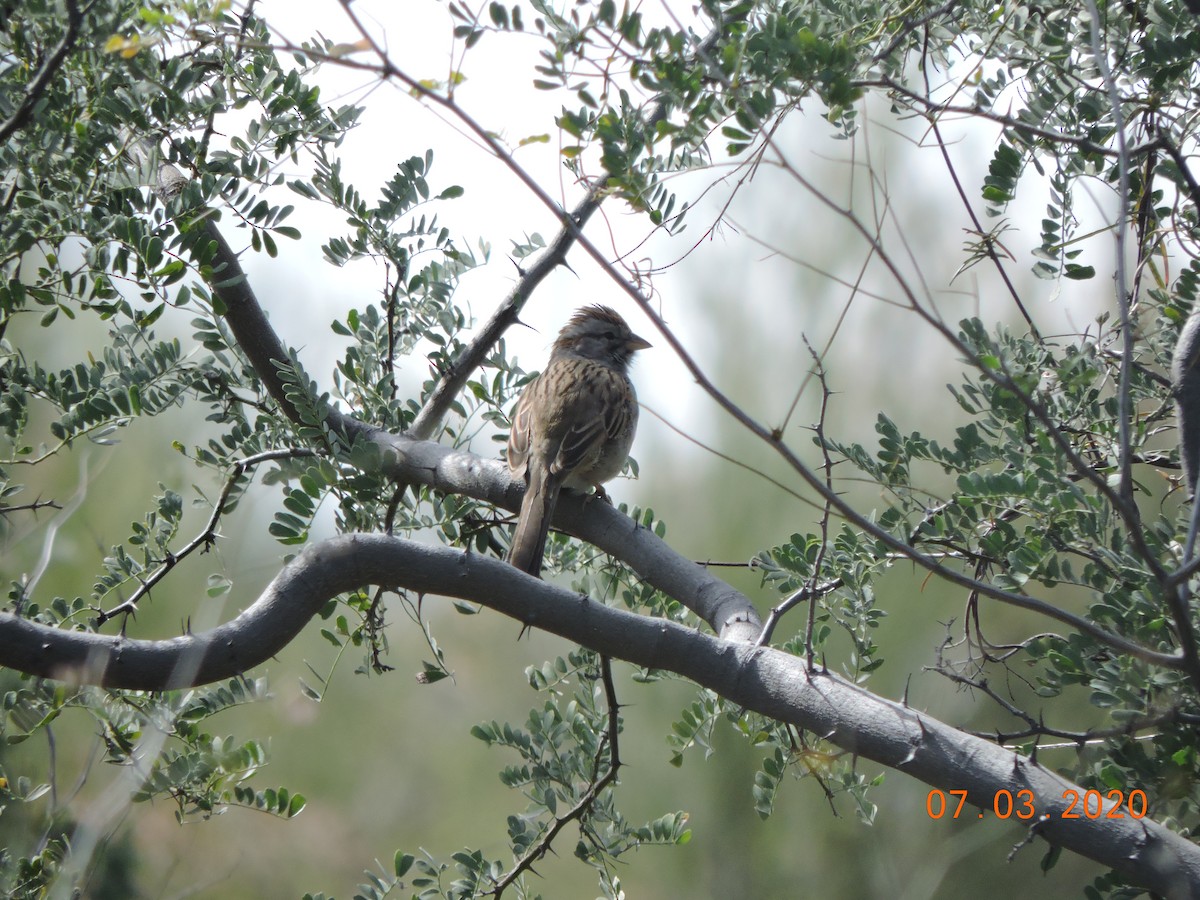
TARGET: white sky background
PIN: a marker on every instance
(733, 301)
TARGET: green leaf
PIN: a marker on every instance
(296, 805)
(402, 863)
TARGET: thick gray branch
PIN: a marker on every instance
(727, 611)
(247, 320)
(412, 461)
(764, 680)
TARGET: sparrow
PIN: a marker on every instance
(573, 425)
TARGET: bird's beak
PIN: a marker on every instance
(637, 343)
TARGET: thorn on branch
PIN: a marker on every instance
(30, 507)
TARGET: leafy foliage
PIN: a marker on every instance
(1052, 485)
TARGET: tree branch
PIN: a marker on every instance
(207, 537)
(45, 74)
(766, 681)
(423, 462)
(1029, 130)
(454, 471)
(255, 336)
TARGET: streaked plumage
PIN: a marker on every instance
(573, 425)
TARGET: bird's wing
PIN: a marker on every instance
(589, 434)
(520, 437)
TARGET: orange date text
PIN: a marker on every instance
(1006, 804)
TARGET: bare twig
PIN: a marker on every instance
(429, 418)
(827, 468)
(989, 245)
(1020, 126)
(812, 590)
(30, 507)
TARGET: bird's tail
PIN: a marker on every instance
(533, 525)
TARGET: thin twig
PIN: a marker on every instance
(46, 74)
(1027, 129)
(599, 782)
(452, 381)
(988, 245)
(34, 506)
(823, 527)
(207, 537)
